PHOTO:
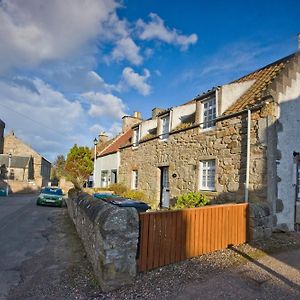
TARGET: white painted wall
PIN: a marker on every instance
(231, 92)
(288, 141)
(146, 126)
(181, 111)
(108, 162)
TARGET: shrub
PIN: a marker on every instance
(190, 200)
(135, 194)
(117, 188)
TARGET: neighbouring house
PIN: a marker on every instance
(39, 168)
(2, 126)
(237, 142)
(19, 168)
(106, 167)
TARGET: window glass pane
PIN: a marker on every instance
(207, 174)
(165, 127)
(209, 113)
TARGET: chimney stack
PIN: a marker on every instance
(298, 35)
(156, 111)
(102, 138)
(129, 121)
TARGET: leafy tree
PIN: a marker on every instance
(79, 165)
(58, 167)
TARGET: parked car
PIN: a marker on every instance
(123, 202)
(50, 196)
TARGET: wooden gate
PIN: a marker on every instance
(170, 236)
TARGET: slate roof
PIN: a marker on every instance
(263, 78)
(18, 162)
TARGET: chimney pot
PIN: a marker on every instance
(102, 137)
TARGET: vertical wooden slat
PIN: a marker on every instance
(157, 240)
(162, 241)
(208, 249)
(173, 238)
(197, 236)
(151, 242)
(205, 225)
(179, 222)
(213, 229)
(144, 238)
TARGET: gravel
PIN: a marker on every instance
(62, 271)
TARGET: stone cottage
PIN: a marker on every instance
(237, 142)
(41, 167)
(106, 167)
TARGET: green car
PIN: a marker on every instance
(50, 196)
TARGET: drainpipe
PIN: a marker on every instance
(248, 156)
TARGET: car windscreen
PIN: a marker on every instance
(52, 191)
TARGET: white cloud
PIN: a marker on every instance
(156, 29)
(41, 116)
(111, 131)
(105, 105)
(136, 81)
(32, 32)
(126, 48)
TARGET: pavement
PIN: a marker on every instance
(38, 249)
(269, 277)
(41, 257)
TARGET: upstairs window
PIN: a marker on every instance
(136, 136)
(209, 113)
(134, 181)
(165, 127)
(207, 175)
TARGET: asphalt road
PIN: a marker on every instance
(22, 228)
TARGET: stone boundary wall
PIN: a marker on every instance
(21, 187)
(109, 235)
(260, 221)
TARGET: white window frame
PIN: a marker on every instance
(209, 113)
(104, 175)
(165, 130)
(136, 136)
(134, 179)
(208, 169)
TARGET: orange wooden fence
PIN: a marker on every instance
(170, 236)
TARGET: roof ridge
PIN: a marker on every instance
(114, 141)
(286, 58)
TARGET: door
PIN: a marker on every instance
(113, 177)
(164, 190)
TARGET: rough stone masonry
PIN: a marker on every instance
(110, 237)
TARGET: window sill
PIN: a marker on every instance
(207, 129)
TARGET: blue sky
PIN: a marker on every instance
(70, 69)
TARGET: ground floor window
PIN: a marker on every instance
(134, 181)
(207, 174)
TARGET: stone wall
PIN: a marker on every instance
(260, 221)
(15, 186)
(109, 235)
(183, 151)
